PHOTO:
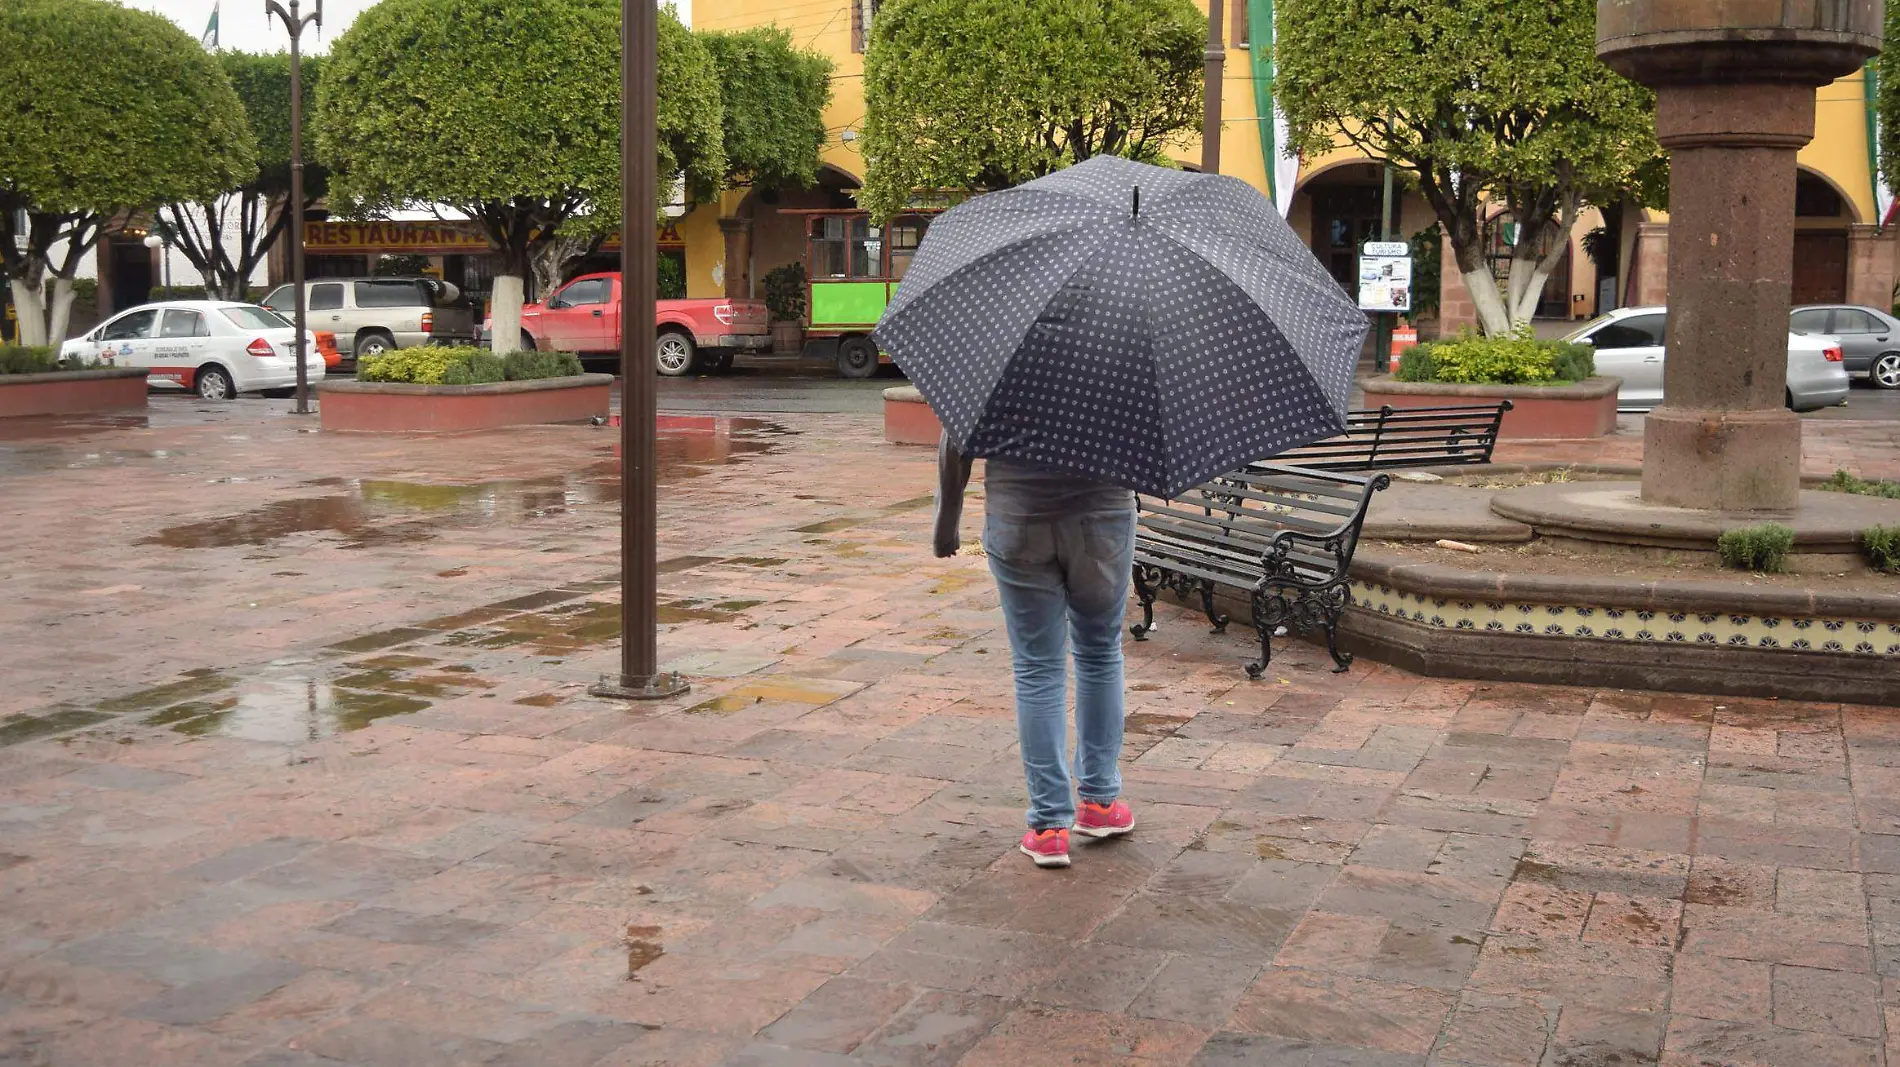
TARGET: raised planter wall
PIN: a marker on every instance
(78, 392)
(396, 406)
(907, 419)
(1586, 409)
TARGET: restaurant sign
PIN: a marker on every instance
(425, 238)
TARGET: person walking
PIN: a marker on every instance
(1109, 329)
(1061, 548)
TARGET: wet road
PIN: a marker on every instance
(772, 390)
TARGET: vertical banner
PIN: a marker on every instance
(1283, 171)
(210, 38)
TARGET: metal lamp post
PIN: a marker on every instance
(1216, 61)
(296, 22)
(640, 677)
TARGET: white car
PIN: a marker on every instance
(216, 348)
(1629, 345)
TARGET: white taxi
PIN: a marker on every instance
(216, 348)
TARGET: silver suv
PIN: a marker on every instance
(370, 316)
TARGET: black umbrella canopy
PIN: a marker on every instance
(1128, 323)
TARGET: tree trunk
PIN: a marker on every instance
(29, 302)
(60, 315)
(505, 309)
(1493, 318)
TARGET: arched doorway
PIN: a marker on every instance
(1822, 219)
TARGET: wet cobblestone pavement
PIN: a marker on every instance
(297, 768)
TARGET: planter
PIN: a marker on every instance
(907, 419)
(788, 338)
(1585, 409)
(73, 392)
(386, 406)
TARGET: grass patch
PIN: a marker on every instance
(1762, 548)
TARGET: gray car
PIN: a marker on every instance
(1869, 337)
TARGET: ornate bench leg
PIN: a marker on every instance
(1207, 605)
(1269, 611)
(1333, 603)
(1147, 582)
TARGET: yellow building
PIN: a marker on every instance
(1841, 250)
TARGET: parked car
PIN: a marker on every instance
(217, 348)
(370, 316)
(583, 317)
(1869, 338)
(1629, 345)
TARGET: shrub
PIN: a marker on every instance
(27, 359)
(1520, 359)
(1417, 365)
(1574, 362)
(478, 369)
(785, 293)
(1762, 549)
(1881, 545)
(525, 366)
(423, 365)
(1843, 482)
(464, 365)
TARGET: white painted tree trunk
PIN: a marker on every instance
(1493, 318)
(29, 302)
(505, 304)
(61, 314)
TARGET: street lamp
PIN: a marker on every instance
(155, 241)
(296, 22)
(639, 677)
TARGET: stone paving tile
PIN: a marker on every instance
(368, 814)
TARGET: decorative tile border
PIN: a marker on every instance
(1798, 633)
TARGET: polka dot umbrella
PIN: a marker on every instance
(1141, 326)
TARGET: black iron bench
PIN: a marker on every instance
(1284, 533)
(1377, 438)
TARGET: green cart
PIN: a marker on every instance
(852, 267)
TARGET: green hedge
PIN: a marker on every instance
(32, 359)
(464, 365)
(1762, 548)
(1843, 482)
(1520, 359)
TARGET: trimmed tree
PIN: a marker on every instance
(227, 236)
(1479, 102)
(1886, 71)
(102, 108)
(509, 114)
(983, 94)
(774, 97)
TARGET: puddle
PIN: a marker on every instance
(539, 700)
(724, 705)
(288, 708)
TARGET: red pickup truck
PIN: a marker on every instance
(583, 317)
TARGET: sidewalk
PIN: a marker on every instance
(291, 798)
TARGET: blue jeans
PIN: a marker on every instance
(1063, 580)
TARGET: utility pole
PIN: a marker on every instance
(639, 677)
(1211, 84)
(1382, 321)
(296, 23)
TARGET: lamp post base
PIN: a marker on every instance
(640, 687)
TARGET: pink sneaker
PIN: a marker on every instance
(1104, 820)
(1049, 848)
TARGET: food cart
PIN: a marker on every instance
(852, 267)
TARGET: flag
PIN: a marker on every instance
(210, 39)
(1283, 170)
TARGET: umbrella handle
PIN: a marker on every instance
(1137, 201)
